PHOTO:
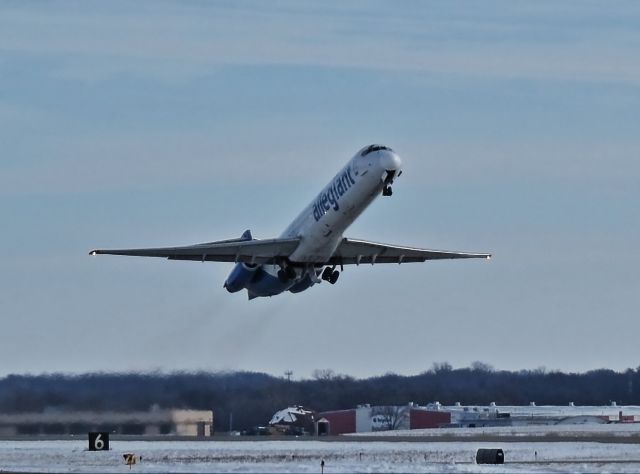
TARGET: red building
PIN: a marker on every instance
(340, 421)
(365, 418)
(421, 418)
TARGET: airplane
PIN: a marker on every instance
(312, 247)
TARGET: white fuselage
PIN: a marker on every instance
(312, 248)
(321, 224)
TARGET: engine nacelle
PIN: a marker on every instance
(240, 277)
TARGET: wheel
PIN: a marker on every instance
(387, 191)
(282, 276)
(334, 277)
(291, 273)
(326, 274)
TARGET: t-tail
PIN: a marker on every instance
(242, 273)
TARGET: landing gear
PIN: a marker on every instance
(387, 182)
(287, 273)
(326, 274)
(334, 277)
(330, 275)
(313, 273)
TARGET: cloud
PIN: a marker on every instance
(170, 39)
(96, 162)
(608, 164)
(248, 107)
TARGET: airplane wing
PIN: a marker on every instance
(352, 251)
(349, 251)
(234, 250)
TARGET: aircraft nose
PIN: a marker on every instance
(390, 161)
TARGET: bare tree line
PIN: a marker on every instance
(252, 397)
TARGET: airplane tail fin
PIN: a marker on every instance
(246, 235)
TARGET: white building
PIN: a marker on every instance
(532, 414)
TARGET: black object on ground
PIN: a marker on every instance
(490, 456)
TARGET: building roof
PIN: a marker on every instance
(290, 415)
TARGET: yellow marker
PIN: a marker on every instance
(129, 459)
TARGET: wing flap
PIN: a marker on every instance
(236, 250)
(353, 251)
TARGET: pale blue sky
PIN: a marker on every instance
(129, 124)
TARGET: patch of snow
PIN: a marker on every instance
(305, 456)
(288, 415)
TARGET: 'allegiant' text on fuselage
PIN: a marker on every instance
(330, 196)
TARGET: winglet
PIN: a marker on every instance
(93, 252)
(246, 235)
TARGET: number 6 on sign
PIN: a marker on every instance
(98, 441)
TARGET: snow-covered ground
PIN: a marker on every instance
(305, 456)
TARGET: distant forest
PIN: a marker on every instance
(254, 397)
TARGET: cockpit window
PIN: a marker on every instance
(372, 148)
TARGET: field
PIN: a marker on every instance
(306, 456)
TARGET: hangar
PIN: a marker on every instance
(365, 418)
(153, 422)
